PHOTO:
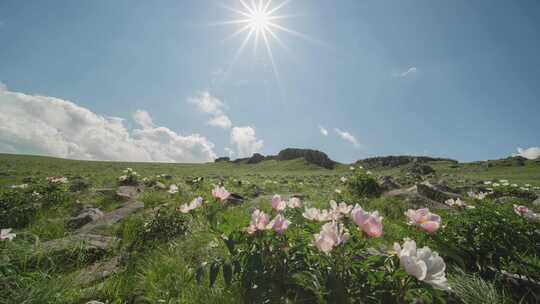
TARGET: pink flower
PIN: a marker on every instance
(5, 234)
(424, 219)
(220, 193)
(369, 222)
(332, 234)
(280, 224)
(294, 202)
(521, 210)
(278, 204)
(259, 221)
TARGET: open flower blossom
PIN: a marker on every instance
(173, 189)
(487, 183)
(479, 195)
(527, 213)
(57, 180)
(332, 234)
(338, 191)
(220, 193)
(369, 222)
(259, 221)
(351, 168)
(423, 264)
(423, 219)
(343, 179)
(279, 224)
(5, 234)
(457, 203)
(122, 178)
(194, 204)
(294, 202)
(278, 204)
(342, 208)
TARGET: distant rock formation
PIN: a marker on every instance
(311, 156)
(396, 161)
(222, 159)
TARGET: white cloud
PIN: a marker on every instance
(221, 121)
(229, 151)
(245, 140)
(346, 136)
(529, 153)
(208, 104)
(409, 71)
(3, 87)
(57, 127)
(323, 130)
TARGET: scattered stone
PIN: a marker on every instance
(508, 199)
(98, 271)
(92, 242)
(167, 176)
(536, 202)
(388, 183)
(106, 191)
(160, 186)
(439, 193)
(113, 216)
(414, 199)
(127, 193)
(235, 198)
(86, 216)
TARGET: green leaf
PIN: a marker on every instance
(227, 273)
(214, 271)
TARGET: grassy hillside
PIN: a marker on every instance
(142, 249)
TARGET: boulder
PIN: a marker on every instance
(98, 271)
(536, 202)
(311, 156)
(235, 198)
(255, 159)
(439, 193)
(160, 186)
(113, 217)
(127, 193)
(388, 183)
(86, 216)
(222, 159)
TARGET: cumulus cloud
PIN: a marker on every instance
(406, 73)
(211, 105)
(221, 121)
(57, 127)
(346, 136)
(229, 151)
(245, 141)
(529, 153)
(323, 131)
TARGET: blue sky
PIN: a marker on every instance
(458, 79)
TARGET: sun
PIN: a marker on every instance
(259, 20)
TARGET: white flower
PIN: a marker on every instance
(455, 203)
(173, 189)
(496, 185)
(332, 234)
(343, 179)
(422, 264)
(57, 180)
(338, 191)
(278, 204)
(342, 208)
(5, 234)
(514, 185)
(487, 183)
(479, 195)
(502, 181)
(294, 202)
(369, 172)
(506, 184)
(196, 203)
(259, 221)
(351, 168)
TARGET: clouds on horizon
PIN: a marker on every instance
(323, 131)
(56, 127)
(245, 140)
(528, 153)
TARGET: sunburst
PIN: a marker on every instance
(259, 19)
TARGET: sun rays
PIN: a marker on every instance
(258, 21)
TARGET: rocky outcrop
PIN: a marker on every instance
(86, 216)
(113, 216)
(439, 193)
(419, 170)
(396, 161)
(388, 183)
(255, 159)
(98, 271)
(311, 156)
(222, 159)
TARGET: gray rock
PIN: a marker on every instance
(127, 193)
(235, 198)
(536, 202)
(388, 183)
(96, 244)
(98, 271)
(160, 186)
(86, 216)
(113, 217)
(439, 193)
